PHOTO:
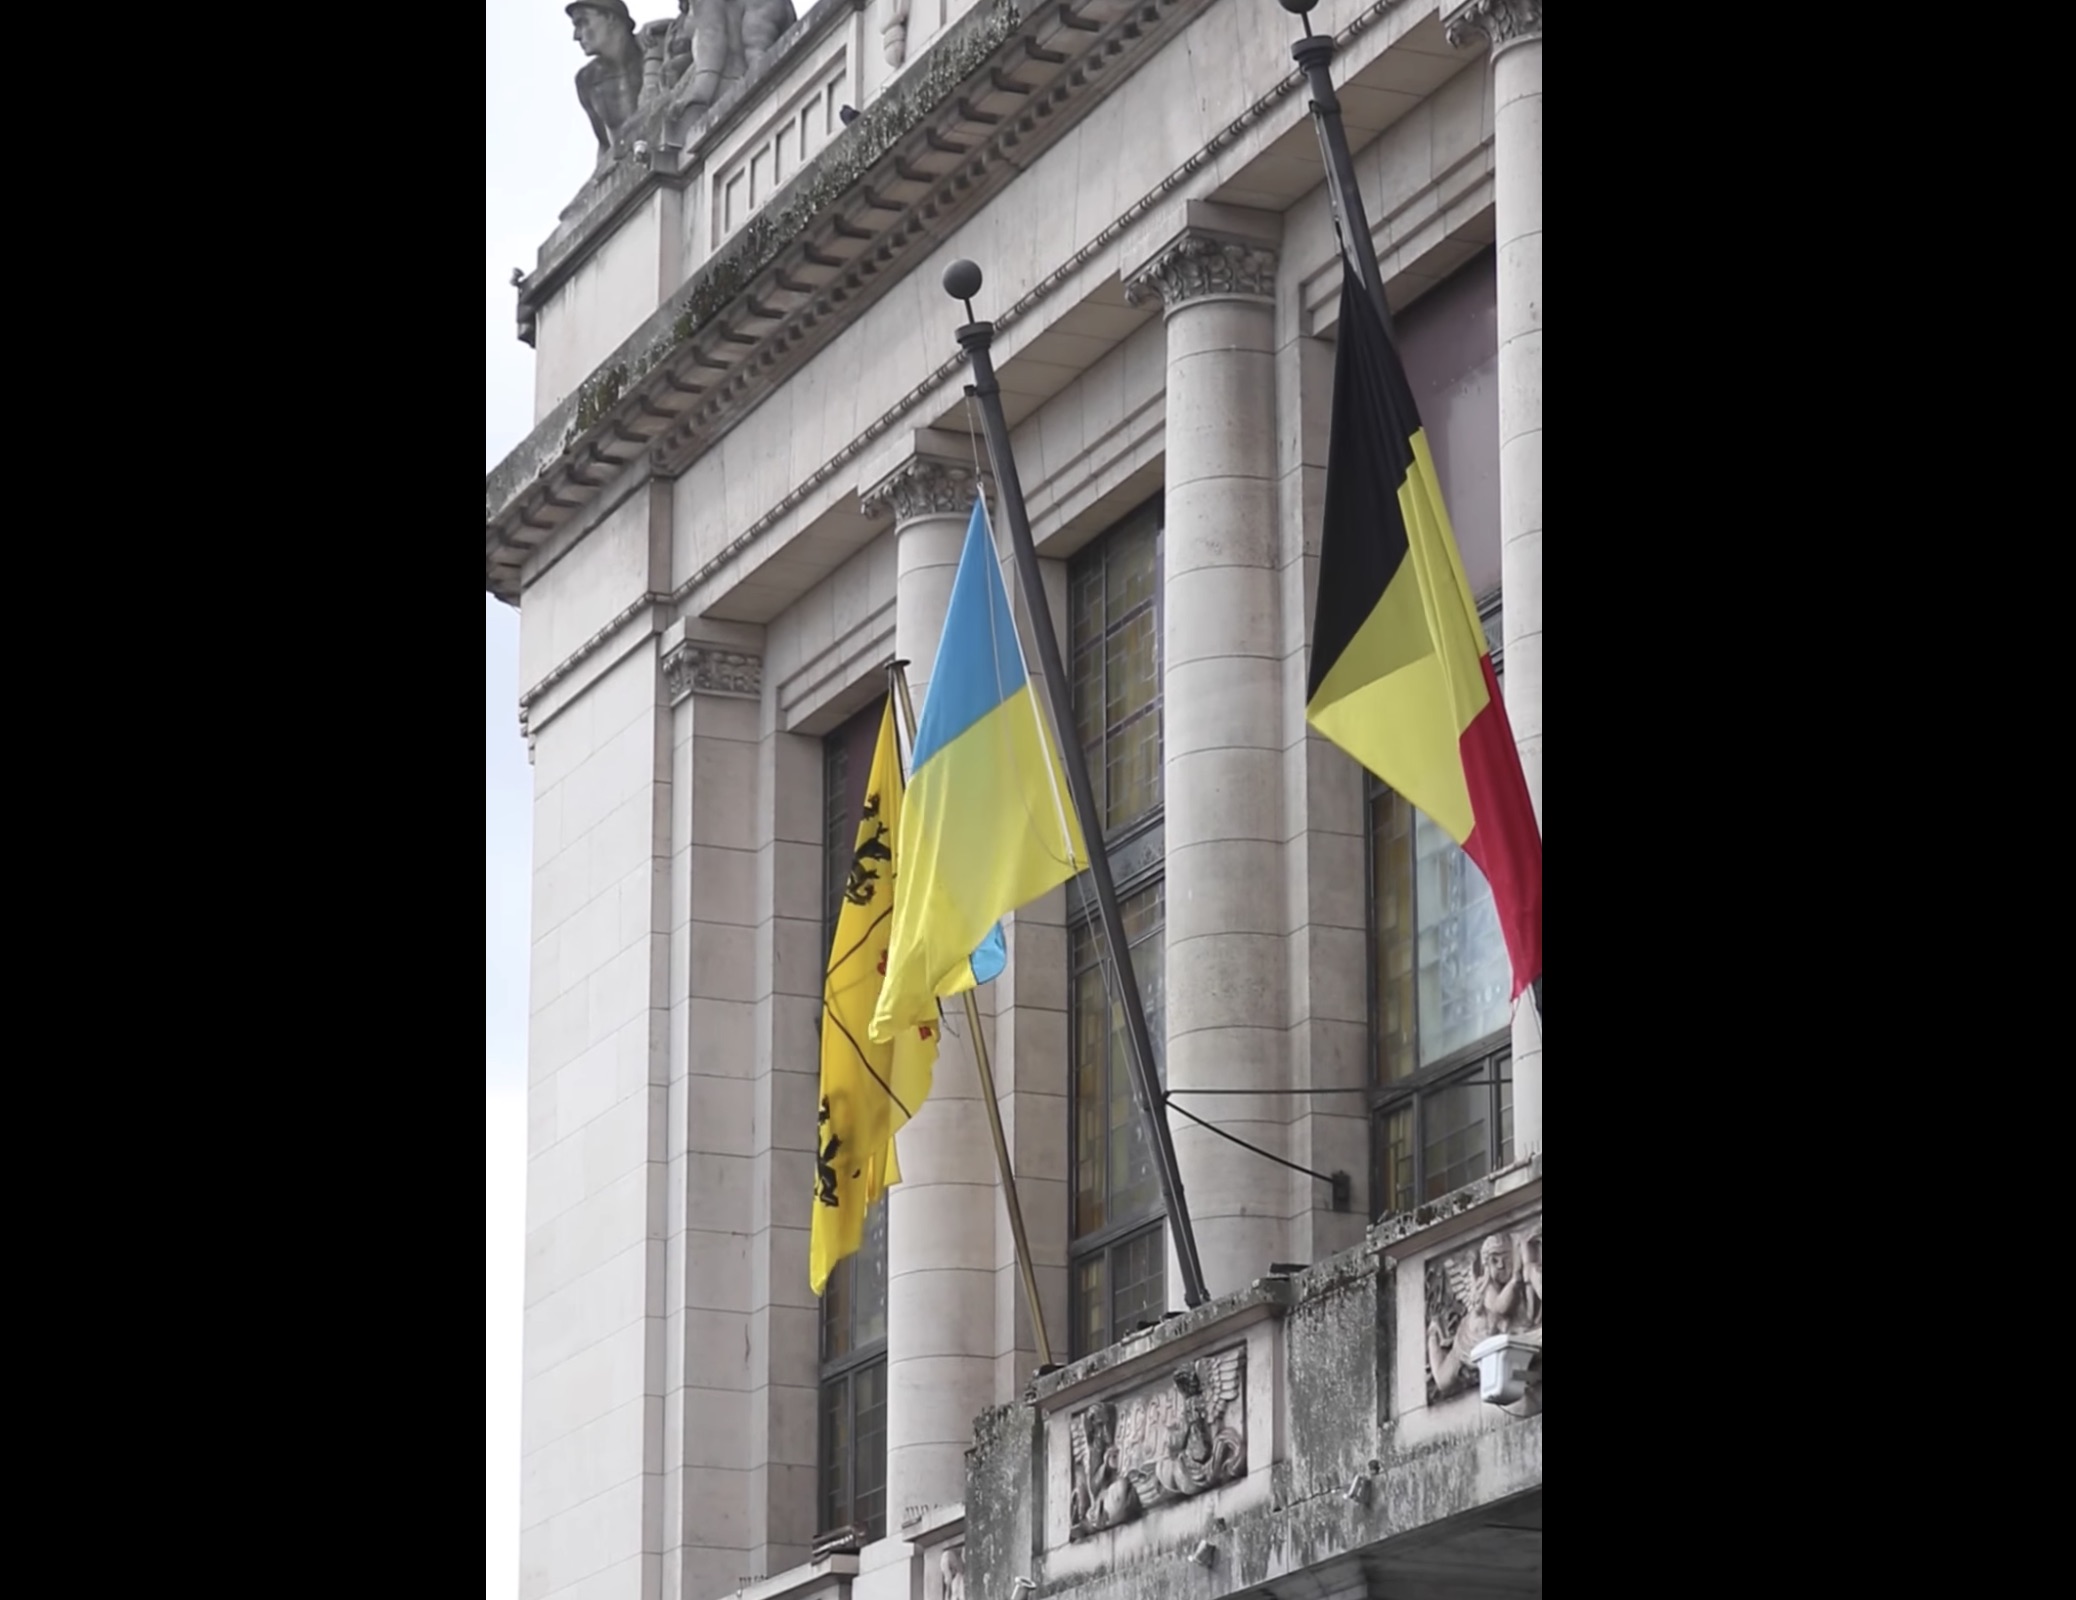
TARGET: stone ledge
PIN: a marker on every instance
(1142, 1355)
(826, 1579)
(1461, 1211)
(938, 1525)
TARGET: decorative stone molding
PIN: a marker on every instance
(894, 33)
(1497, 22)
(707, 669)
(1167, 1441)
(1198, 266)
(1491, 1286)
(924, 488)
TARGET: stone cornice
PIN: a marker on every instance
(1496, 22)
(925, 487)
(1201, 266)
(997, 89)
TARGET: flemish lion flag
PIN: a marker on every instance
(869, 1091)
(1400, 676)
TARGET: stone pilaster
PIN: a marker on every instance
(716, 1522)
(1514, 30)
(941, 1216)
(1226, 987)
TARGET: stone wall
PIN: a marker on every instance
(1294, 1427)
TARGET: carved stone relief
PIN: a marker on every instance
(707, 669)
(1198, 265)
(1489, 1287)
(1160, 1443)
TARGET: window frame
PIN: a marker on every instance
(1488, 1059)
(1137, 857)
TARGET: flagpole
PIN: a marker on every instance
(898, 671)
(962, 283)
(1314, 54)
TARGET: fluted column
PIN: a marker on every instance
(941, 1217)
(1221, 678)
(1514, 31)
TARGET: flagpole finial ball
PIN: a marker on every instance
(962, 280)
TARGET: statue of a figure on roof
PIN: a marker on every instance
(609, 85)
(708, 48)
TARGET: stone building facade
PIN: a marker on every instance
(744, 496)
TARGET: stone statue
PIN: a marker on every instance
(711, 46)
(951, 1570)
(609, 85)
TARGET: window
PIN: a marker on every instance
(854, 1387)
(854, 1303)
(1441, 1041)
(1118, 1253)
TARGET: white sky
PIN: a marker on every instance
(537, 150)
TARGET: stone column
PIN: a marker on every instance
(1514, 30)
(941, 1216)
(1222, 679)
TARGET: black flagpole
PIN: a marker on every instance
(962, 283)
(1315, 53)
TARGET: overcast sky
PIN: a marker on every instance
(537, 150)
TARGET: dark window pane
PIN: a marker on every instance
(1115, 1180)
(870, 1471)
(1092, 1324)
(1114, 642)
(1455, 1146)
(836, 1311)
(1139, 1272)
(871, 1259)
(1391, 912)
(1395, 1158)
(1503, 1069)
(836, 1453)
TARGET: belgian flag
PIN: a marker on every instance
(1400, 676)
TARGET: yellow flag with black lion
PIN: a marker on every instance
(869, 1090)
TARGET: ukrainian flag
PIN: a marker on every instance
(988, 825)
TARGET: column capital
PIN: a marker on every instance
(925, 472)
(922, 487)
(1497, 22)
(695, 667)
(1198, 266)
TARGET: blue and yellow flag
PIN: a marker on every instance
(988, 824)
(869, 1089)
